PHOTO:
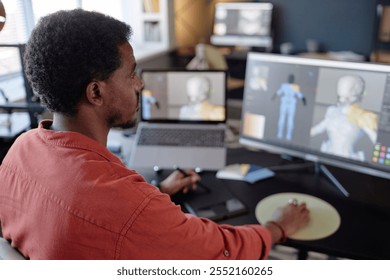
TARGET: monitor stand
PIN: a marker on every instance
(322, 169)
(239, 52)
(243, 49)
(319, 168)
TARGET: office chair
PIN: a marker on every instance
(7, 252)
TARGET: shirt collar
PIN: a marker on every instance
(73, 139)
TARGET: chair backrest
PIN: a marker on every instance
(7, 252)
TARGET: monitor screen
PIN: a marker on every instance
(181, 95)
(242, 24)
(321, 110)
(13, 81)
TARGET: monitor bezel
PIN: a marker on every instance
(164, 70)
(313, 155)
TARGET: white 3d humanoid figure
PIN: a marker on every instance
(198, 107)
(345, 123)
(199, 62)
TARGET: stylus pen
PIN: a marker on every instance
(200, 184)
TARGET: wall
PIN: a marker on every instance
(194, 21)
(338, 25)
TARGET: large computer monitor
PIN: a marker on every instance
(242, 24)
(324, 111)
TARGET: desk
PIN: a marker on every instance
(365, 215)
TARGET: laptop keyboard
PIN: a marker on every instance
(182, 137)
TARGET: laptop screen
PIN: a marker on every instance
(183, 96)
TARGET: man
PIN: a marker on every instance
(65, 196)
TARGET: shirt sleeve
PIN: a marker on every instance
(163, 231)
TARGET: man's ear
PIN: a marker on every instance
(93, 93)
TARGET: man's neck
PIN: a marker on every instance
(81, 125)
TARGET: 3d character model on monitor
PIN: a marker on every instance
(147, 101)
(345, 123)
(258, 80)
(288, 93)
(199, 107)
(248, 22)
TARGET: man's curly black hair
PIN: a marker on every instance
(67, 50)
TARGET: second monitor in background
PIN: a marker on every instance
(243, 25)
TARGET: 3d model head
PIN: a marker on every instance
(249, 22)
(350, 89)
(198, 89)
(291, 78)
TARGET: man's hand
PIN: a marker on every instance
(288, 220)
(292, 217)
(178, 182)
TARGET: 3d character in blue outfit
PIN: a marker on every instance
(147, 101)
(288, 93)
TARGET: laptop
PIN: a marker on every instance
(183, 120)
